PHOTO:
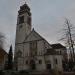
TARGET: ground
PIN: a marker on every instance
(35, 73)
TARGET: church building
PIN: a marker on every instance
(32, 51)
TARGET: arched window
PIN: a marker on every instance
(21, 19)
(40, 61)
(26, 61)
(29, 20)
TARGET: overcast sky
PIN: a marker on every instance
(47, 18)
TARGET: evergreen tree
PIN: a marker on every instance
(10, 59)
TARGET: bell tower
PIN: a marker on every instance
(23, 23)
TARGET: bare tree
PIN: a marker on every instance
(68, 37)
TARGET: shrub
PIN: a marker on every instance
(1, 72)
(23, 72)
(54, 72)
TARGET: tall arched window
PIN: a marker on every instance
(33, 48)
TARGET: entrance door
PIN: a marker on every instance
(49, 66)
(32, 63)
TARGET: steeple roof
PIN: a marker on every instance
(24, 8)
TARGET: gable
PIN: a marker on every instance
(33, 36)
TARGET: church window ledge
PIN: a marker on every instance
(29, 20)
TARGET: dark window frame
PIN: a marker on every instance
(21, 19)
(26, 61)
(40, 61)
(29, 20)
(56, 61)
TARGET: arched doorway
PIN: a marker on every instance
(49, 66)
(32, 64)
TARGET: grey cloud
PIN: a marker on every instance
(47, 15)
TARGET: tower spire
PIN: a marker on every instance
(25, 1)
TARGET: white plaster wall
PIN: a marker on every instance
(32, 37)
(40, 51)
(19, 47)
(40, 47)
(51, 59)
(63, 52)
(59, 63)
(40, 67)
(26, 66)
(47, 45)
(21, 33)
(26, 51)
(20, 63)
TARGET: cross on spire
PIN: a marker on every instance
(25, 1)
